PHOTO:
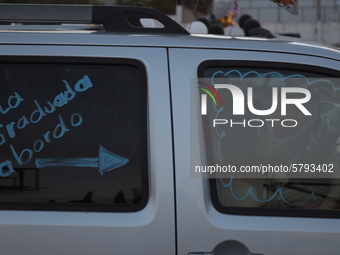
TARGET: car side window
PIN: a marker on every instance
(73, 134)
(272, 133)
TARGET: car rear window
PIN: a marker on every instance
(73, 134)
(272, 133)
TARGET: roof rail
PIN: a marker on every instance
(114, 18)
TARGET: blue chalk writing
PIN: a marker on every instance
(60, 129)
(23, 156)
(10, 129)
(78, 117)
(83, 84)
(58, 132)
(8, 168)
(106, 161)
(278, 192)
(37, 115)
(20, 158)
(222, 134)
(2, 137)
(22, 122)
(64, 97)
(280, 76)
(47, 136)
(13, 102)
(52, 108)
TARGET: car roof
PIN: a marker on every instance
(124, 28)
(72, 35)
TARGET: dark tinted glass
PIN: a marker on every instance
(72, 135)
(285, 159)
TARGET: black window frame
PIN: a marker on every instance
(256, 211)
(92, 207)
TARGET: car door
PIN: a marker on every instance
(224, 215)
(86, 150)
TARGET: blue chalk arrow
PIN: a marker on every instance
(106, 161)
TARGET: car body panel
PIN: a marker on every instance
(48, 232)
(260, 234)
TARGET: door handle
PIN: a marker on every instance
(229, 247)
(210, 253)
(201, 253)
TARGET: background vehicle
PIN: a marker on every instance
(100, 125)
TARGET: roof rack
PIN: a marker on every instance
(113, 18)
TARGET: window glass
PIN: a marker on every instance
(272, 136)
(73, 135)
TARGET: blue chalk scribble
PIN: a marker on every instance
(105, 162)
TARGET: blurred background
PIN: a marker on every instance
(316, 20)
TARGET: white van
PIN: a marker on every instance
(120, 139)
